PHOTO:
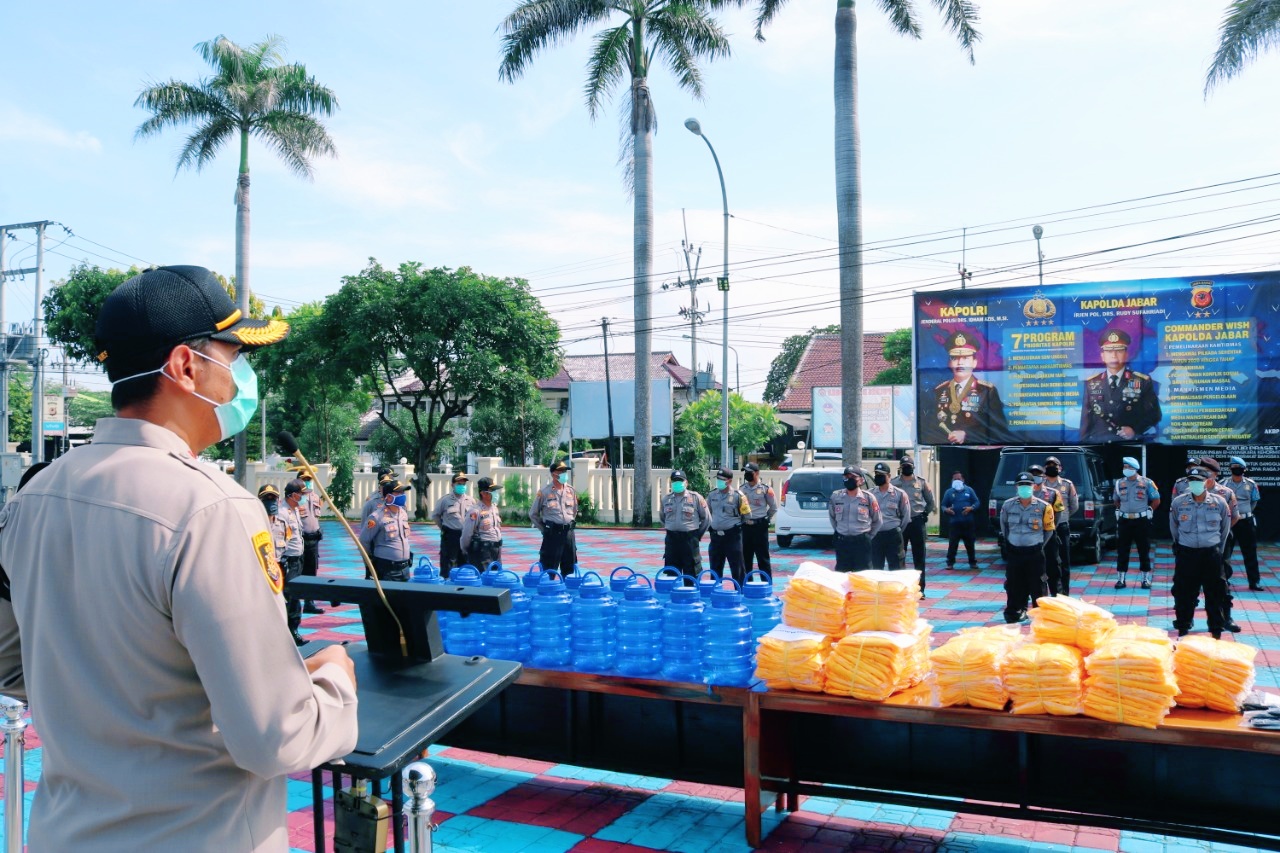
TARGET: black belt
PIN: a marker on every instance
(1213, 548)
(311, 536)
(726, 530)
(1026, 547)
(396, 564)
(551, 525)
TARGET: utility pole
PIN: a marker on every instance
(608, 397)
(692, 260)
(4, 357)
(37, 381)
(37, 450)
(66, 417)
(965, 275)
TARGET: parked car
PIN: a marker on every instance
(802, 506)
(818, 456)
(1093, 526)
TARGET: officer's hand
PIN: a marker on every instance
(949, 511)
(968, 510)
(956, 436)
(1126, 432)
(333, 654)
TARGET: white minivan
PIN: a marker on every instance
(802, 506)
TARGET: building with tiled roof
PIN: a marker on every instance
(820, 368)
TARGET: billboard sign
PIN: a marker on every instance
(888, 417)
(589, 410)
(1192, 361)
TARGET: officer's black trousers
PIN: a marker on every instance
(451, 554)
(1245, 534)
(292, 568)
(1024, 579)
(310, 555)
(557, 552)
(1193, 569)
(481, 554)
(885, 549)
(727, 545)
(755, 544)
(1130, 532)
(959, 531)
(681, 551)
(1062, 533)
(853, 553)
(1051, 563)
(392, 570)
(914, 538)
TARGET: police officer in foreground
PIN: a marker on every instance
(922, 506)
(386, 534)
(755, 528)
(482, 531)
(855, 518)
(281, 534)
(294, 547)
(554, 512)
(1026, 523)
(309, 513)
(196, 692)
(1137, 497)
(1062, 521)
(450, 514)
(685, 517)
(1051, 496)
(1212, 473)
(728, 507)
(1200, 521)
(895, 515)
(1245, 532)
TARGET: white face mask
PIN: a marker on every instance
(955, 484)
(1130, 472)
(234, 415)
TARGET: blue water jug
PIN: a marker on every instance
(594, 625)
(463, 634)
(618, 580)
(707, 580)
(549, 620)
(573, 582)
(531, 578)
(639, 630)
(665, 581)
(682, 633)
(728, 654)
(508, 637)
(426, 571)
(765, 607)
(491, 573)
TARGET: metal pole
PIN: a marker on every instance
(4, 362)
(723, 284)
(37, 381)
(608, 399)
(419, 783)
(14, 726)
(66, 417)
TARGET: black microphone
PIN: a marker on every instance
(288, 444)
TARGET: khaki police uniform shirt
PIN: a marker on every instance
(854, 514)
(1070, 496)
(170, 699)
(1135, 495)
(451, 510)
(895, 508)
(1052, 497)
(293, 522)
(918, 493)
(309, 512)
(483, 524)
(371, 503)
(1228, 496)
(1247, 495)
(554, 506)
(727, 507)
(1024, 526)
(1199, 524)
(763, 501)
(279, 535)
(386, 534)
(684, 513)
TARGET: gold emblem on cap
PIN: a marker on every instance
(230, 321)
(960, 341)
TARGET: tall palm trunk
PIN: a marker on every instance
(849, 217)
(642, 128)
(242, 285)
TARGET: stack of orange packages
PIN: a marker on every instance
(1213, 673)
(883, 601)
(1045, 678)
(1131, 682)
(873, 665)
(792, 659)
(1071, 622)
(815, 600)
(969, 668)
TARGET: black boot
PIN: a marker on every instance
(1120, 584)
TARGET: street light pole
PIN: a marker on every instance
(1038, 232)
(723, 286)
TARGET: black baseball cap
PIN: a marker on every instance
(154, 311)
(724, 474)
(1036, 469)
(484, 484)
(294, 487)
(677, 475)
(268, 491)
(1024, 479)
(1197, 474)
(751, 466)
(882, 468)
(460, 477)
(390, 486)
(558, 466)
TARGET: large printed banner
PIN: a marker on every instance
(888, 417)
(1178, 361)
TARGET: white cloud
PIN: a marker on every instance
(19, 126)
(369, 176)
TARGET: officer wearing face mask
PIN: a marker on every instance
(309, 506)
(728, 507)
(482, 532)
(375, 498)
(922, 506)
(1245, 532)
(685, 517)
(137, 524)
(755, 528)
(960, 504)
(294, 547)
(1051, 496)
(1136, 499)
(1199, 521)
(895, 513)
(1026, 524)
(281, 535)
(386, 534)
(855, 519)
(554, 512)
(450, 515)
(1062, 520)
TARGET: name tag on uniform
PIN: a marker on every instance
(1183, 517)
(863, 513)
(1035, 524)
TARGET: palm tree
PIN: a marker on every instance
(960, 16)
(1248, 28)
(680, 32)
(252, 93)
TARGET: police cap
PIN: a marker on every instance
(961, 343)
(849, 469)
(724, 474)
(1197, 474)
(751, 466)
(1130, 462)
(484, 484)
(1053, 460)
(294, 487)
(1036, 469)
(1115, 340)
(460, 477)
(1208, 462)
(882, 468)
(268, 491)
(391, 485)
(1238, 462)
(678, 475)
(1024, 479)
(558, 466)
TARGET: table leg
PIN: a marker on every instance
(397, 811)
(751, 768)
(317, 806)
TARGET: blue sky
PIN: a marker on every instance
(1069, 105)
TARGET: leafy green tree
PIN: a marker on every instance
(750, 424)
(960, 17)
(437, 342)
(520, 430)
(787, 361)
(897, 351)
(86, 407)
(692, 458)
(680, 32)
(20, 405)
(1248, 28)
(252, 93)
(342, 486)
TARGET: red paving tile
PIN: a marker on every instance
(714, 792)
(593, 845)
(561, 804)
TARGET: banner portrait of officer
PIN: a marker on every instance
(1120, 404)
(964, 409)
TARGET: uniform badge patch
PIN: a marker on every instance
(266, 558)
